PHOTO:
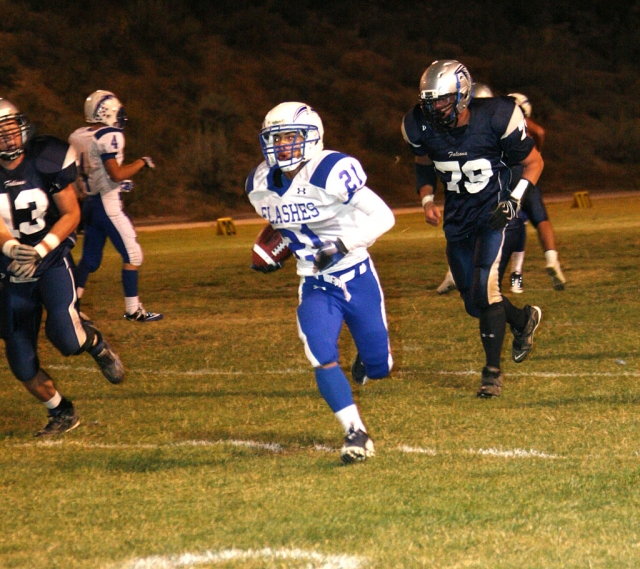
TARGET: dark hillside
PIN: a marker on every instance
(197, 78)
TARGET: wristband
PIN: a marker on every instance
(427, 199)
(521, 187)
(48, 244)
(8, 245)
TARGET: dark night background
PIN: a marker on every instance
(197, 78)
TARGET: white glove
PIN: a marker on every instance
(148, 162)
(22, 270)
(26, 254)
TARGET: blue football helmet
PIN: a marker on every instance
(291, 118)
(446, 89)
(104, 107)
(15, 131)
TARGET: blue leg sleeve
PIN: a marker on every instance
(334, 387)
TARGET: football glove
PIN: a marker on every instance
(25, 254)
(503, 213)
(22, 270)
(267, 268)
(148, 162)
(329, 254)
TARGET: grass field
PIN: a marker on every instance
(219, 452)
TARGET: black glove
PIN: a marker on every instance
(267, 268)
(503, 213)
(329, 253)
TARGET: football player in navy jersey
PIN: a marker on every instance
(319, 202)
(100, 147)
(39, 213)
(468, 143)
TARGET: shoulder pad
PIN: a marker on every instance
(324, 167)
(50, 154)
(248, 186)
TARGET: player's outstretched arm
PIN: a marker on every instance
(120, 173)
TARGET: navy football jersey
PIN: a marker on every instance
(472, 160)
(26, 194)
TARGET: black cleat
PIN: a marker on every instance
(557, 277)
(107, 360)
(358, 373)
(357, 446)
(523, 341)
(491, 385)
(141, 315)
(59, 423)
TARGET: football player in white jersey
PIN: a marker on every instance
(38, 215)
(533, 206)
(319, 202)
(101, 150)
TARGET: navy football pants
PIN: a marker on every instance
(474, 263)
(55, 291)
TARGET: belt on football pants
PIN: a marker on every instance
(342, 279)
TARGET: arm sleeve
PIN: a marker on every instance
(379, 219)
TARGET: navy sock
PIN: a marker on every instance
(130, 282)
(492, 329)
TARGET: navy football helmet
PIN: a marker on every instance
(291, 118)
(104, 107)
(15, 131)
(446, 90)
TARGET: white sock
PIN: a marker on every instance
(132, 303)
(517, 259)
(349, 417)
(552, 257)
(54, 401)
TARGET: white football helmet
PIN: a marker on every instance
(482, 91)
(14, 125)
(104, 107)
(287, 118)
(446, 90)
(523, 102)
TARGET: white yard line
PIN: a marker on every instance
(314, 559)
(512, 453)
(274, 447)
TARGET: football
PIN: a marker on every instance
(269, 250)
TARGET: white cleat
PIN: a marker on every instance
(448, 284)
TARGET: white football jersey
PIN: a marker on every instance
(80, 139)
(106, 143)
(315, 207)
